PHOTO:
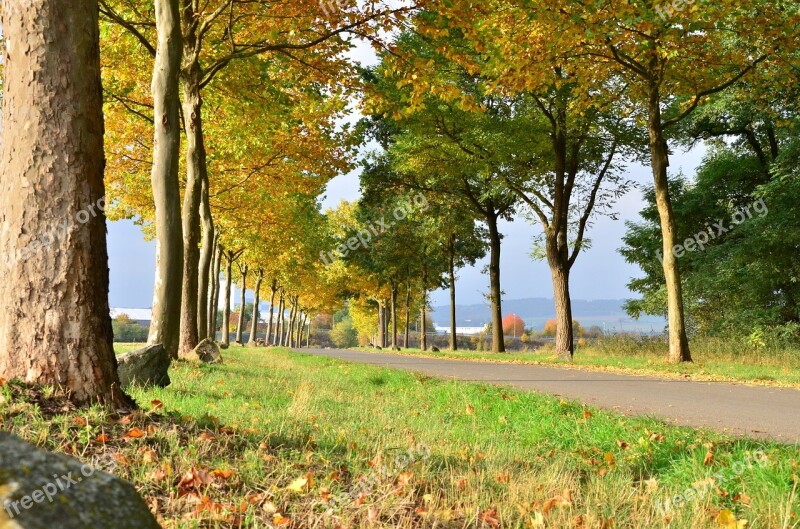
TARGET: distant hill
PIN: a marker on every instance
(606, 313)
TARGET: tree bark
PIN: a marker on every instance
(215, 288)
(166, 314)
(659, 155)
(451, 270)
(495, 292)
(55, 326)
(393, 315)
(226, 310)
(279, 323)
(381, 326)
(273, 291)
(408, 315)
(423, 317)
(290, 326)
(243, 299)
(206, 262)
(254, 324)
(195, 167)
(564, 345)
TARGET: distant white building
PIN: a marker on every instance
(141, 316)
(466, 331)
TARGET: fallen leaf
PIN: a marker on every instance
(102, 439)
(709, 459)
(587, 414)
(222, 474)
(298, 486)
(622, 444)
(470, 409)
(135, 433)
(156, 404)
(279, 519)
(489, 517)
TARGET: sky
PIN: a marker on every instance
(599, 272)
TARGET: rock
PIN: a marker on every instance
(207, 351)
(435, 349)
(145, 367)
(224, 346)
(396, 348)
(78, 497)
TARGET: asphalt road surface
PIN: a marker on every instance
(736, 409)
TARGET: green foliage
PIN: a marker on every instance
(344, 335)
(128, 331)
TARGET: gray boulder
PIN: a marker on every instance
(207, 351)
(145, 367)
(40, 490)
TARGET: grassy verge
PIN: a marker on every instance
(275, 439)
(714, 361)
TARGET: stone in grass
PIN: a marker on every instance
(435, 349)
(78, 497)
(207, 351)
(145, 367)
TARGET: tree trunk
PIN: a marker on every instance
(451, 270)
(273, 291)
(55, 326)
(226, 311)
(308, 333)
(381, 325)
(495, 293)
(243, 298)
(659, 155)
(279, 323)
(423, 317)
(254, 324)
(408, 315)
(393, 309)
(206, 262)
(195, 166)
(166, 314)
(564, 345)
(215, 286)
(290, 326)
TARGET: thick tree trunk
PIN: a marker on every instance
(195, 167)
(55, 326)
(226, 310)
(659, 155)
(166, 313)
(393, 316)
(254, 324)
(564, 345)
(495, 292)
(451, 270)
(273, 291)
(308, 333)
(243, 301)
(290, 326)
(206, 263)
(215, 288)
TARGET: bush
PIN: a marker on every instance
(344, 335)
(128, 331)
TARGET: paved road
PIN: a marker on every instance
(737, 409)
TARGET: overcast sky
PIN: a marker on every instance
(599, 273)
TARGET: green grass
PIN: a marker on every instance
(297, 430)
(713, 360)
(122, 348)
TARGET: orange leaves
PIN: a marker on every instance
(135, 433)
(193, 481)
(489, 517)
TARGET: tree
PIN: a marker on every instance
(55, 326)
(165, 325)
(514, 325)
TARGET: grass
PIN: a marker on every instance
(714, 360)
(271, 438)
